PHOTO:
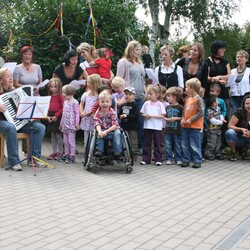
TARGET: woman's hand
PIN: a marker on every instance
(3, 108)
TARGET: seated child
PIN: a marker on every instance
(106, 125)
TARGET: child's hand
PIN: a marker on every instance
(171, 119)
(123, 116)
(188, 121)
(224, 121)
(77, 127)
(82, 115)
(147, 116)
(49, 118)
(54, 119)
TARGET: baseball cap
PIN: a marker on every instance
(130, 89)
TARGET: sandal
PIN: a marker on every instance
(233, 157)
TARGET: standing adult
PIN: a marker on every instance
(219, 69)
(240, 84)
(194, 66)
(89, 54)
(169, 74)
(9, 129)
(131, 69)
(69, 70)
(27, 73)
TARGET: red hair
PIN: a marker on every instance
(25, 49)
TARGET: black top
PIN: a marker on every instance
(219, 69)
(59, 71)
(168, 80)
(147, 59)
(131, 121)
(242, 123)
(201, 74)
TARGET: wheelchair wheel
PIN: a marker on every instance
(128, 152)
(89, 160)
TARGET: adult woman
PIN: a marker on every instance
(9, 130)
(131, 69)
(169, 74)
(89, 54)
(69, 70)
(240, 84)
(219, 69)
(238, 133)
(27, 73)
(195, 66)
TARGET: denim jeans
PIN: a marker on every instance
(140, 132)
(232, 136)
(235, 104)
(9, 130)
(191, 145)
(115, 136)
(171, 140)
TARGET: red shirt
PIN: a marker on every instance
(56, 105)
(104, 67)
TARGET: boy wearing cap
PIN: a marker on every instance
(128, 115)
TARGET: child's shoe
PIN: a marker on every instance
(168, 162)
(179, 163)
(70, 159)
(158, 163)
(51, 156)
(63, 158)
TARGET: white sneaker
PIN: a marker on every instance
(17, 167)
(143, 163)
(168, 162)
(37, 164)
(158, 163)
(179, 163)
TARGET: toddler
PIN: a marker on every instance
(118, 97)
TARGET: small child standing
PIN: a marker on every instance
(213, 129)
(192, 124)
(54, 118)
(129, 118)
(173, 118)
(69, 123)
(87, 101)
(118, 97)
(153, 112)
(106, 125)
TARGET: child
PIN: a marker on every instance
(129, 118)
(192, 124)
(87, 101)
(173, 117)
(202, 93)
(213, 129)
(146, 57)
(54, 117)
(69, 123)
(106, 125)
(118, 85)
(153, 112)
(104, 63)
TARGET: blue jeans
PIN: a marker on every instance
(232, 136)
(115, 136)
(9, 130)
(191, 145)
(140, 131)
(171, 140)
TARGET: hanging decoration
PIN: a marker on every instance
(10, 46)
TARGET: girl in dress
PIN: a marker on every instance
(69, 123)
(87, 101)
(54, 117)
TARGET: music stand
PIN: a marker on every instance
(32, 108)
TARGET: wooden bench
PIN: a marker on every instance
(2, 145)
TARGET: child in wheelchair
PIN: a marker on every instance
(107, 127)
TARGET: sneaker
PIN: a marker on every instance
(168, 162)
(62, 158)
(98, 154)
(70, 159)
(179, 163)
(185, 164)
(17, 167)
(37, 164)
(58, 156)
(52, 156)
(143, 163)
(158, 163)
(196, 165)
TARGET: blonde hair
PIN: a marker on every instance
(118, 82)
(68, 89)
(59, 85)
(90, 48)
(169, 48)
(154, 88)
(200, 49)
(96, 81)
(175, 91)
(2, 73)
(243, 53)
(105, 94)
(201, 92)
(128, 54)
(194, 83)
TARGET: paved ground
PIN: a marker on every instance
(165, 207)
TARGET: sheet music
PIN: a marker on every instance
(41, 85)
(152, 75)
(10, 65)
(78, 83)
(35, 107)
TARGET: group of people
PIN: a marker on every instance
(196, 103)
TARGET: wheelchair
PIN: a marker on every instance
(93, 163)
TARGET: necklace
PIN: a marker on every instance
(240, 72)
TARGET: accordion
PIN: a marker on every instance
(11, 100)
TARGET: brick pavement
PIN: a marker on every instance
(165, 207)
